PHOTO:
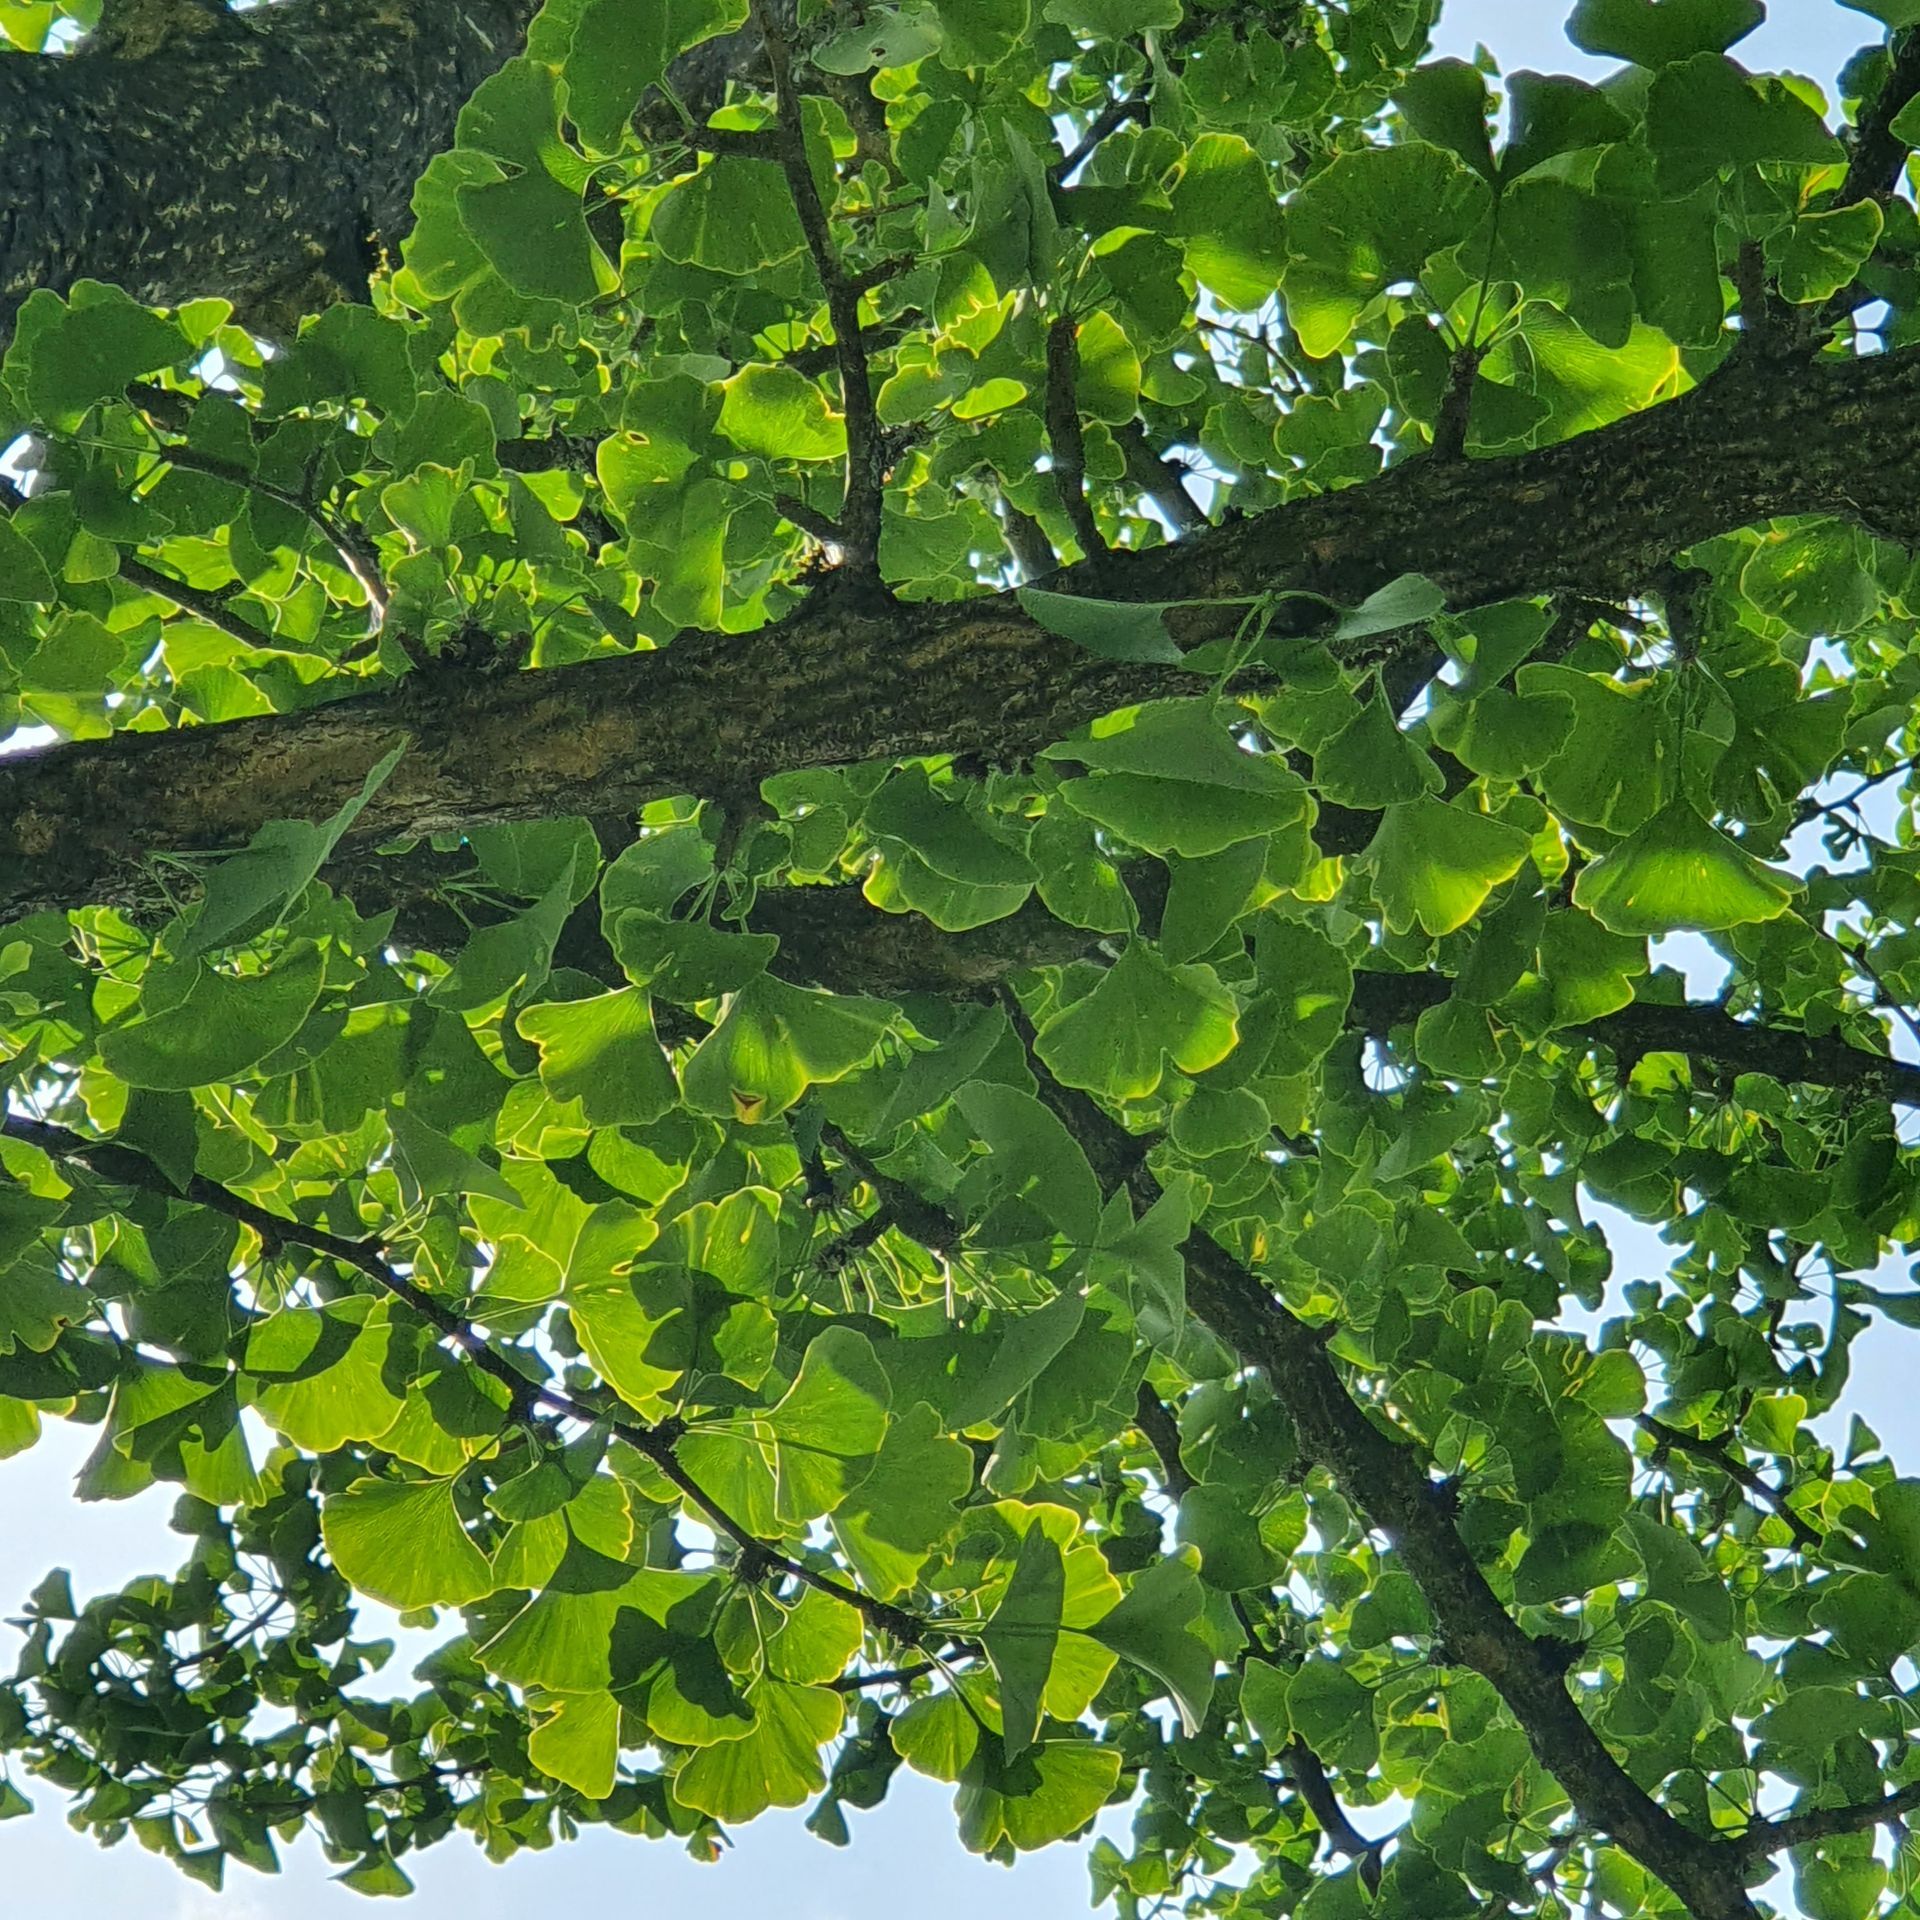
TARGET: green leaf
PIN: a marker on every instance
(1113, 629)
(1152, 1628)
(1655, 33)
(617, 52)
(981, 33)
(402, 1542)
(1049, 1792)
(1704, 114)
(1826, 249)
(774, 1042)
(735, 216)
(775, 1764)
(604, 1053)
(1433, 864)
(828, 1425)
(1404, 601)
(1034, 1156)
(532, 231)
(429, 1165)
(1680, 873)
(1114, 19)
(578, 1742)
(1021, 1635)
(23, 574)
(1371, 764)
(1225, 212)
(781, 415)
(223, 1024)
(946, 835)
(1171, 780)
(67, 356)
(1116, 1040)
(1373, 216)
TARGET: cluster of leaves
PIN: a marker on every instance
(758, 1385)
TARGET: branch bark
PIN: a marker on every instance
(274, 149)
(842, 682)
(1385, 1479)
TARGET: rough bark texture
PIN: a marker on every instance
(846, 680)
(253, 159)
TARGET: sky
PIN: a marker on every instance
(905, 1852)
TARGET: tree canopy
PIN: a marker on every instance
(858, 862)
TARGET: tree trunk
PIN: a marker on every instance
(258, 159)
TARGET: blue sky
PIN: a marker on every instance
(906, 1852)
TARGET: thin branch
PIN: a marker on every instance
(1700, 1029)
(1824, 1823)
(120, 1165)
(355, 555)
(822, 526)
(1873, 167)
(1026, 540)
(1110, 119)
(1155, 1419)
(866, 445)
(1717, 1453)
(1310, 1781)
(1066, 436)
(1456, 405)
(1160, 479)
(198, 601)
(1812, 809)
(1877, 157)
(1384, 1479)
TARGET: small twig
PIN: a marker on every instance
(1110, 119)
(1824, 1823)
(1811, 809)
(1717, 1453)
(1873, 167)
(1456, 406)
(198, 601)
(1877, 157)
(1026, 540)
(866, 449)
(823, 527)
(1155, 1419)
(359, 560)
(1159, 478)
(1065, 434)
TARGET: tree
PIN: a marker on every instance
(853, 936)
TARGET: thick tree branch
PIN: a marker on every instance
(843, 682)
(266, 159)
(1381, 1474)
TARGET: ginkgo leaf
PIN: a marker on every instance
(1679, 873)
(1117, 1039)
(402, 1542)
(775, 1041)
(1021, 1635)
